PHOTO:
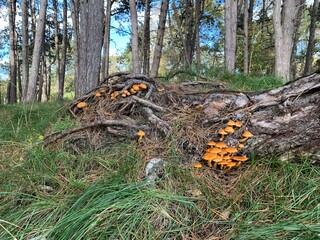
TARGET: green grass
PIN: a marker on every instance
(103, 194)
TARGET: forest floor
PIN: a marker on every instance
(57, 194)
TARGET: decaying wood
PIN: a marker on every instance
(284, 121)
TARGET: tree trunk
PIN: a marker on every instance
(75, 28)
(134, 37)
(246, 39)
(311, 42)
(106, 42)
(230, 20)
(33, 19)
(146, 39)
(284, 33)
(31, 93)
(159, 41)
(12, 82)
(62, 70)
(56, 48)
(197, 33)
(25, 49)
(91, 36)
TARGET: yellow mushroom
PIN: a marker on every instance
(82, 105)
(141, 134)
(197, 165)
(143, 86)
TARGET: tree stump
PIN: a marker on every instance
(284, 121)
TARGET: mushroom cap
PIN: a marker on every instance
(222, 132)
(136, 87)
(226, 157)
(247, 134)
(197, 165)
(160, 89)
(133, 91)
(217, 159)
(221, 145)
(223, 152)
(143, 86)
(231, 164)
(209, 156)
(231, 123)
(238, 124)
(240, 158)
(98, 94)
(243, 140)
(231, 150)
(123, 95)
(229, 129)
(140, 133)
(224, 162)
(211, 143)
(215, 150)
(81, 105)
(240, 145)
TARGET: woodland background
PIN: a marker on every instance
(204, 37)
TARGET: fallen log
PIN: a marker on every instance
(284, 121)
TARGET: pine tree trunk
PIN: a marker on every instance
(230, 20)
(12, 83)
(284, 33)
(62, 70)
(134, 37)
(56, 48)
(311, 42)
(246, 39)
(90, 44)
(146, 39)
(32, 86)
(75, 29)
(106, 42)
(25, 49)
(159, 41)
(197, 33)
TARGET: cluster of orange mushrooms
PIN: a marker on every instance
(135, 88)
(220, 155)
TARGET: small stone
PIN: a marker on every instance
(154, 169)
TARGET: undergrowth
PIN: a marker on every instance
(103, 194)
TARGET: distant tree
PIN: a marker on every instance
(134, 37)
(62, 70)
(159, 40)
(25, 49)
(230, 37)
(12, 82)
(56, 48)
(37, 49)
(106, 41)
(310, 50)
(146, 39)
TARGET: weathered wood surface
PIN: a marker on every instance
(285, 120)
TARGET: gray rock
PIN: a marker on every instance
(154, 170)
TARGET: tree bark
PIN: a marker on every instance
(25, 49)
(284, 33)
(146, 39)
(75, 29)
(12, 82)
(246, 39)
(56, 48)
(134, 37)
(31, 93)
(311, 42)
(106, 42)
(284, 121)
(159, 41)
(62, 70)
(230, 43)
(197, 32)
(90, 43)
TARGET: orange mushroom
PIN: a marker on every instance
(82, 105)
